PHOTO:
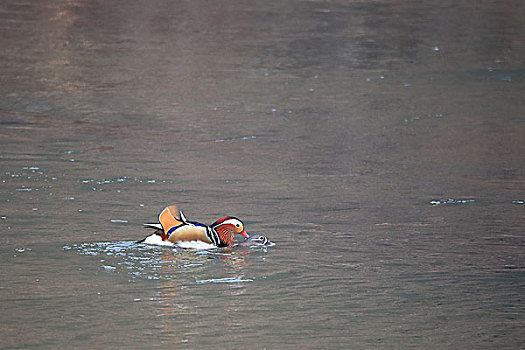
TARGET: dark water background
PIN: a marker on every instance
(379, 144)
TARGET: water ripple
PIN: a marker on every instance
(225, 280)
(451, 201)
(140, 261)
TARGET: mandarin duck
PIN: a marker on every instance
(256, 240)
(173, 228)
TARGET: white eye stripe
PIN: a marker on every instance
(233, 222)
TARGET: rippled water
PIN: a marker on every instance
(378, 144)
(154, 262)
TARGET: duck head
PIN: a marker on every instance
(227, 227)
(256, 240)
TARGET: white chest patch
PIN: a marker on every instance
(157, 240)
(198, 245)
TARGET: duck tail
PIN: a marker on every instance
(154, 226)
(158, 231)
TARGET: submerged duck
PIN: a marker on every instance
(173, 228)
(256, 240)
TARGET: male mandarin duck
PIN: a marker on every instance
(174, 228)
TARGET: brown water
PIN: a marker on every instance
(379, 144)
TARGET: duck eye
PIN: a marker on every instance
(238, 225)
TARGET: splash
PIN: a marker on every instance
(451, 201)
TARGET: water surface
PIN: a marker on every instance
(378, 144)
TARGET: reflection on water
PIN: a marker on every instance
(380, 144)
(180, 274)
(153, 262)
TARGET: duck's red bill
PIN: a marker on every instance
(244, 234)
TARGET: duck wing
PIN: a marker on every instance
(169, 218)
(189, 232)
(178, 229)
